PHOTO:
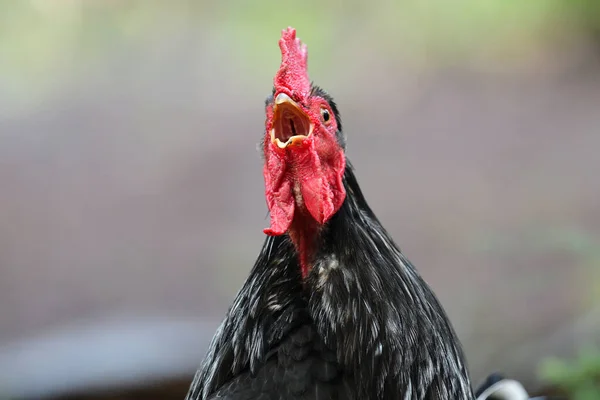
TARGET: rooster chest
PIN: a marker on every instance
(299, 367)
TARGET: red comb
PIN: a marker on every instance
(292, 76)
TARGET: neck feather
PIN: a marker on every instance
(360, 278)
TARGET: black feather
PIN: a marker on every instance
(364, 324)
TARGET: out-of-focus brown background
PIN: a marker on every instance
(131, 201)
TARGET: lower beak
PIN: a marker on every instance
(293, 141)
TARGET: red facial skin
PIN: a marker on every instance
(303, 181)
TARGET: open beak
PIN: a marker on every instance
(291, 125)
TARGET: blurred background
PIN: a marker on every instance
(131, 194)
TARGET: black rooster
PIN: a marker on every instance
(332, 309)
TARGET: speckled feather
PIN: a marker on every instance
(364, 324)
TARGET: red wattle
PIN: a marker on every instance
(320, 183)
(278, 193)
(281, 206)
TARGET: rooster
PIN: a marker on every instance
(331, 309)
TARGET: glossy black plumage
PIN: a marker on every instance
(364, 325)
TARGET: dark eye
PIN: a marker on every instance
(325, 114)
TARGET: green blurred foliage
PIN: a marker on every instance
(579, 379)
(43, 38)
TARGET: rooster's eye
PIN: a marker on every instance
(325, 114)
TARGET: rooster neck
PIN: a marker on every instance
(304, 233)
(360, 279)
(364, 299)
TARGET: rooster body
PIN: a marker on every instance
(331, 309)
(363, 325)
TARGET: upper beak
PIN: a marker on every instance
(291, 125)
